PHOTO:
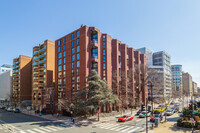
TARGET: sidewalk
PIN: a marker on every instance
(80, 120)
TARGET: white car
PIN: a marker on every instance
(169, 112)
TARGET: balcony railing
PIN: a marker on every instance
(15, 63)
(42, 61)
(35, 58)
(43, 50)
(35, 53)
(15, 67)
(35, 63)
(43, 55)
(16, 71)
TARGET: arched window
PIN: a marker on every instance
(34, 96)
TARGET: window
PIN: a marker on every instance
(34, 96)
(104, 45)
(64, 74)
(59, 42)
(73, 51)
(64, 40)
(78, 79)
(59, 81)
(104, 52)
(39, 96)
(94, 66)
(73, 57)
(78, 49)
(104, 37)
(77, 41)
(104, 73)
(64, 54)
(94, 53)
(59, 75)
(94, 36)
(104, 58)
(78, 56)
(77, 71)
(59, 55)
(72, 35)
(59, 49)
(77, 87)
(72, 43)
(104, 65)
(64, 67)
(59, 61)
(72, 72)
(64, 60)
(64, 81)
(64, 47)
(78, 64)
(59, 68)
(73, 65)
(77, 33)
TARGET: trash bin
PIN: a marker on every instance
(157, 121)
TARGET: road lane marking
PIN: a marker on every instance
(51, 128)
(38, 130)
(43, 128)
(121, 128)
(133, 130)
(128, 129)
(30, 131)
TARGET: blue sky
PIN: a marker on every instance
(171, 25)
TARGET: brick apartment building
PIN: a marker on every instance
(22, 75)
(43, 69)
(87, 48)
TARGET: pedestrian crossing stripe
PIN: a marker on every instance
(47, 129)
(120, 128)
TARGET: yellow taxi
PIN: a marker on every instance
(159, 109)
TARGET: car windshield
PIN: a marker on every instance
(124, 116)
(169, 110)
(144, 113)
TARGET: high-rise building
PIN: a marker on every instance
(187, 84)
(5, 68)
(22, 79)
(5, 82)
(194, 87)
(87, 49)
(43, 77)
(177, 78)
(159, 64)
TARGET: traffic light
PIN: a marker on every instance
(142, 107)
(190, 106)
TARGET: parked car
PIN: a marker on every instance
(138, 112)
(169, 112)
(9, 109)
(160, 109)
(174, 110)
(17, 110)
(125, 118)
(144, 114)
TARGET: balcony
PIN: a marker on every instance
(35, 85)
(15, 67)
(35, 53)
(43, 55)
(35, 63)
(40, 84)
(41, 68)
(94, 43)
(35, 58)
(35, 79)
(15, 83)
(35, 74)
(41, 79)
(16, 63)
(42, 73)
(42, 61)
(16, 71)
(35, 69)
(43, 50)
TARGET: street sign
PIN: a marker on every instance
(192, 120)
(152, 116)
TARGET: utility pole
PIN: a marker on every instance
(152, 100)
(146, 116)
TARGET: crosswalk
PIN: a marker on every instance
(120, 128)
(45, 129)
(123, 128)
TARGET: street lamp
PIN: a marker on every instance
(151, 85)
